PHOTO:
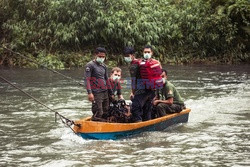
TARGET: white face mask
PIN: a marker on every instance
(100, 60)
(116, 77)
(147, 55)
(164, 80)
(128, 59)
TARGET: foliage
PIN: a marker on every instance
(60, 32)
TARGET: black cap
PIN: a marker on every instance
(100, 50)
(129, 50)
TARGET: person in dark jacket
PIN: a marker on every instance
(142, 94)
(96, 82)
(129, 57)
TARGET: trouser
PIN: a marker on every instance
(142, 106)
(100, 106)
(162, 109)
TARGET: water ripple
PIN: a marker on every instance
(217, 133)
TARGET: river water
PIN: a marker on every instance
(217, 133)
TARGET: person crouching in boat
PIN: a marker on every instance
(115, 83)
(119, 111)
(168, 99)
(96, 82)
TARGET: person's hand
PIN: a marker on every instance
(112, 97)
(131, 96)
(155, 102)
(120, 97)
(155, 98)
(91, 97)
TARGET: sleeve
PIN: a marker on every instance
(160, 64)
(135, 75)
(134, 70)
(169, 92)
(119, 91)
(110, 91)
(87, 78)
(158, 70)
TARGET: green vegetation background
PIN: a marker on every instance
(64, 33)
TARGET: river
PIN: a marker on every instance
(217, 133)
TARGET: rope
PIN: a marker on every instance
(65, 120)
(33, 61)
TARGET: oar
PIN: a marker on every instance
(41, 65)
(65, 120)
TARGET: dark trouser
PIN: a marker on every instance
(100, 106)
(142, 105)
(162, 109)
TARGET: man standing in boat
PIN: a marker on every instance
(168, 99)
(96, 82)
(147, 75)
(129, 57)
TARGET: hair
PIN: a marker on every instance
(148, 47)
(116, 69)
(163, 70)
(129, 50)
(100, 50)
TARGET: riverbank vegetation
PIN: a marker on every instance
(63, 33)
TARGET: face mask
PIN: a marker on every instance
(164, 80)
(116, 78)
(128, 59)
(99, 60)
(147, 55)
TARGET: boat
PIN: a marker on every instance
(112, 131)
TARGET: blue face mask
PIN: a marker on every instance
(147, 55)
(100, 60)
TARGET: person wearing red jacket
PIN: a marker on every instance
(149, 79)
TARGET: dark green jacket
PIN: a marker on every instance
(168, 91)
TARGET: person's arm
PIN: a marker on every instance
(133, 83)
(119, 91)
(108, 84)
(169, 96)
(120, 97)
(134, 76)
(157, 97)
(168, 101)
(133, 87)
(88, 72)
(160, 65)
